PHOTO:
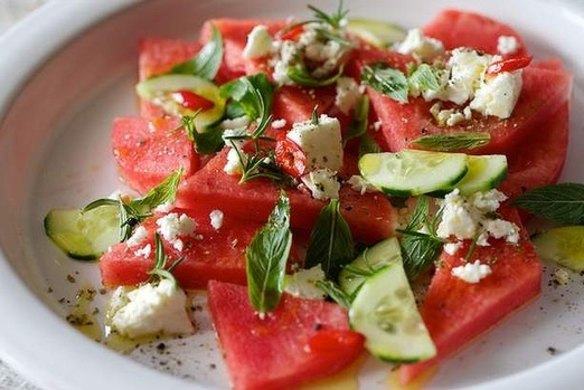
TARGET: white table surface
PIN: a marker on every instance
(10, 12)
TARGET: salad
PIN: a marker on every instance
(336, 185)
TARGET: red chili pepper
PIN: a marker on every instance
(292, 34)
(509, 64)
(335, 341)
(191, 100)
(289, 156)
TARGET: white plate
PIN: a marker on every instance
(69, 70)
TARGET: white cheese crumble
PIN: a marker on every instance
(322, 183)
(451, 116)
(458, 218)
(144, 252)
(139, 235)
(472, 272)
(377, 125)
(499, 228)
(303, 283)
(164, 207)
(233, 164)
(278, 123)
(171, 226)
(286, 51)
(466, 69)
(452, 247)
(348, 94)
(507, 45)
(259, 43)
(322, 143)
(498, 95)
(150, 309)
(216, 217)
(419, 45)
(359, 184)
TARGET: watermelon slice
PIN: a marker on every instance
(544, 91)
(278, 352)
(369, 216)
(209, 255)
(456, 312)
(148, 151)
(460, 28)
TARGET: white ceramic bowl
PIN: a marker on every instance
(68, 70)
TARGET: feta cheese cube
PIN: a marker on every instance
(472, 273)
(303, 283)
(498, 95)
(466, 69)
(418, 44)
(348, 94)
(507, 45)
(259, 43)
(322, 183)
(322, 143)
(150, 309)
(216, 217)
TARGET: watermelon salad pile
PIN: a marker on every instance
(312, 174)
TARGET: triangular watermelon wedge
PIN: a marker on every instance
(456, 312)
(278, 352)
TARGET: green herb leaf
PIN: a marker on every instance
(331, 243)
(334, 19)
(388, 81)
(448, 142)
(160, 269)
(314, 116)
(368, 145)
(424, 78)
(562, 203)
(301, 76)
(207, 142)
(207, 62)
(266, 258)
(360, 120)
(333, 290)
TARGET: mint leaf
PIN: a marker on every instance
(360, 120)
(368, 145)
(562, 203)
(331, 243)
(448, 142)
(301, 76)
(424, 78)
(207, 62)
(210, 141)
(266, 258)
(333, 290)
(388, 81)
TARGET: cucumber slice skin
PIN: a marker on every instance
(395, 346)
(371, 260)
(563, 245)
(485, 173)
(455, 171)
(376, 32)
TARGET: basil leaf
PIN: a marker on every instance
(388, 81)
(368, 145)
(360, 120)
(424, 78)
(233, 110)
(266, 258)
(331, 243)
(333, 290)
(165, 192)
(448, 142)
(207, 142)
(300, 75)
(207, 62)
(562, 203)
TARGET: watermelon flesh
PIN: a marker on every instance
(456, 312)
(273, 353)
(460, 28)
(369, 216)
(148, 151)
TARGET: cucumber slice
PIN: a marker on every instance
(352, 277)
(413, 172)
(375, 32)
(484, 173)
(84, 235)
(563, 245)
(385, 312)
(157, 91)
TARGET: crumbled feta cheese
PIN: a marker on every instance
(447, 117)
(303, 283)
(472, 272)
(322, 143)
(377, 125)
(347, 94)
(150, 309)
(139, 235)
(233, 165)
(259, 43)
(278, 123)
(498, 95)
(171, 226)
(458, 220)
(488, 201)
(561, 276)
(322, 183)
(286, 51)
(164, 207)
(507, 45)
(361, 185)
(144, 252)
(499, 228)
(466, 69)
(416, 43)
(216, 217)
(452, 247)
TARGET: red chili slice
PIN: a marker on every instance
(292, 34)
(327, 342)
(289, 156)
(191, 100)
(509, 64)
